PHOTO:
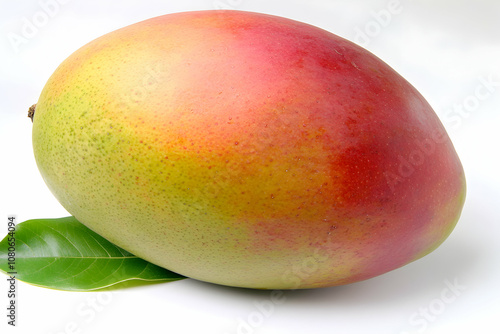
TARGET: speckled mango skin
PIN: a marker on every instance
(247, 150)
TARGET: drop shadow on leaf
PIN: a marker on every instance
(134, 283)
(128, 284)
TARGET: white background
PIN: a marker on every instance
(447, 49)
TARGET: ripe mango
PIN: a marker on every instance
(247, 150)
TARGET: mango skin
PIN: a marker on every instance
(247, 150)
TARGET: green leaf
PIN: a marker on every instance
(64, 254)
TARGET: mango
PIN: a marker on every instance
(247, 150)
